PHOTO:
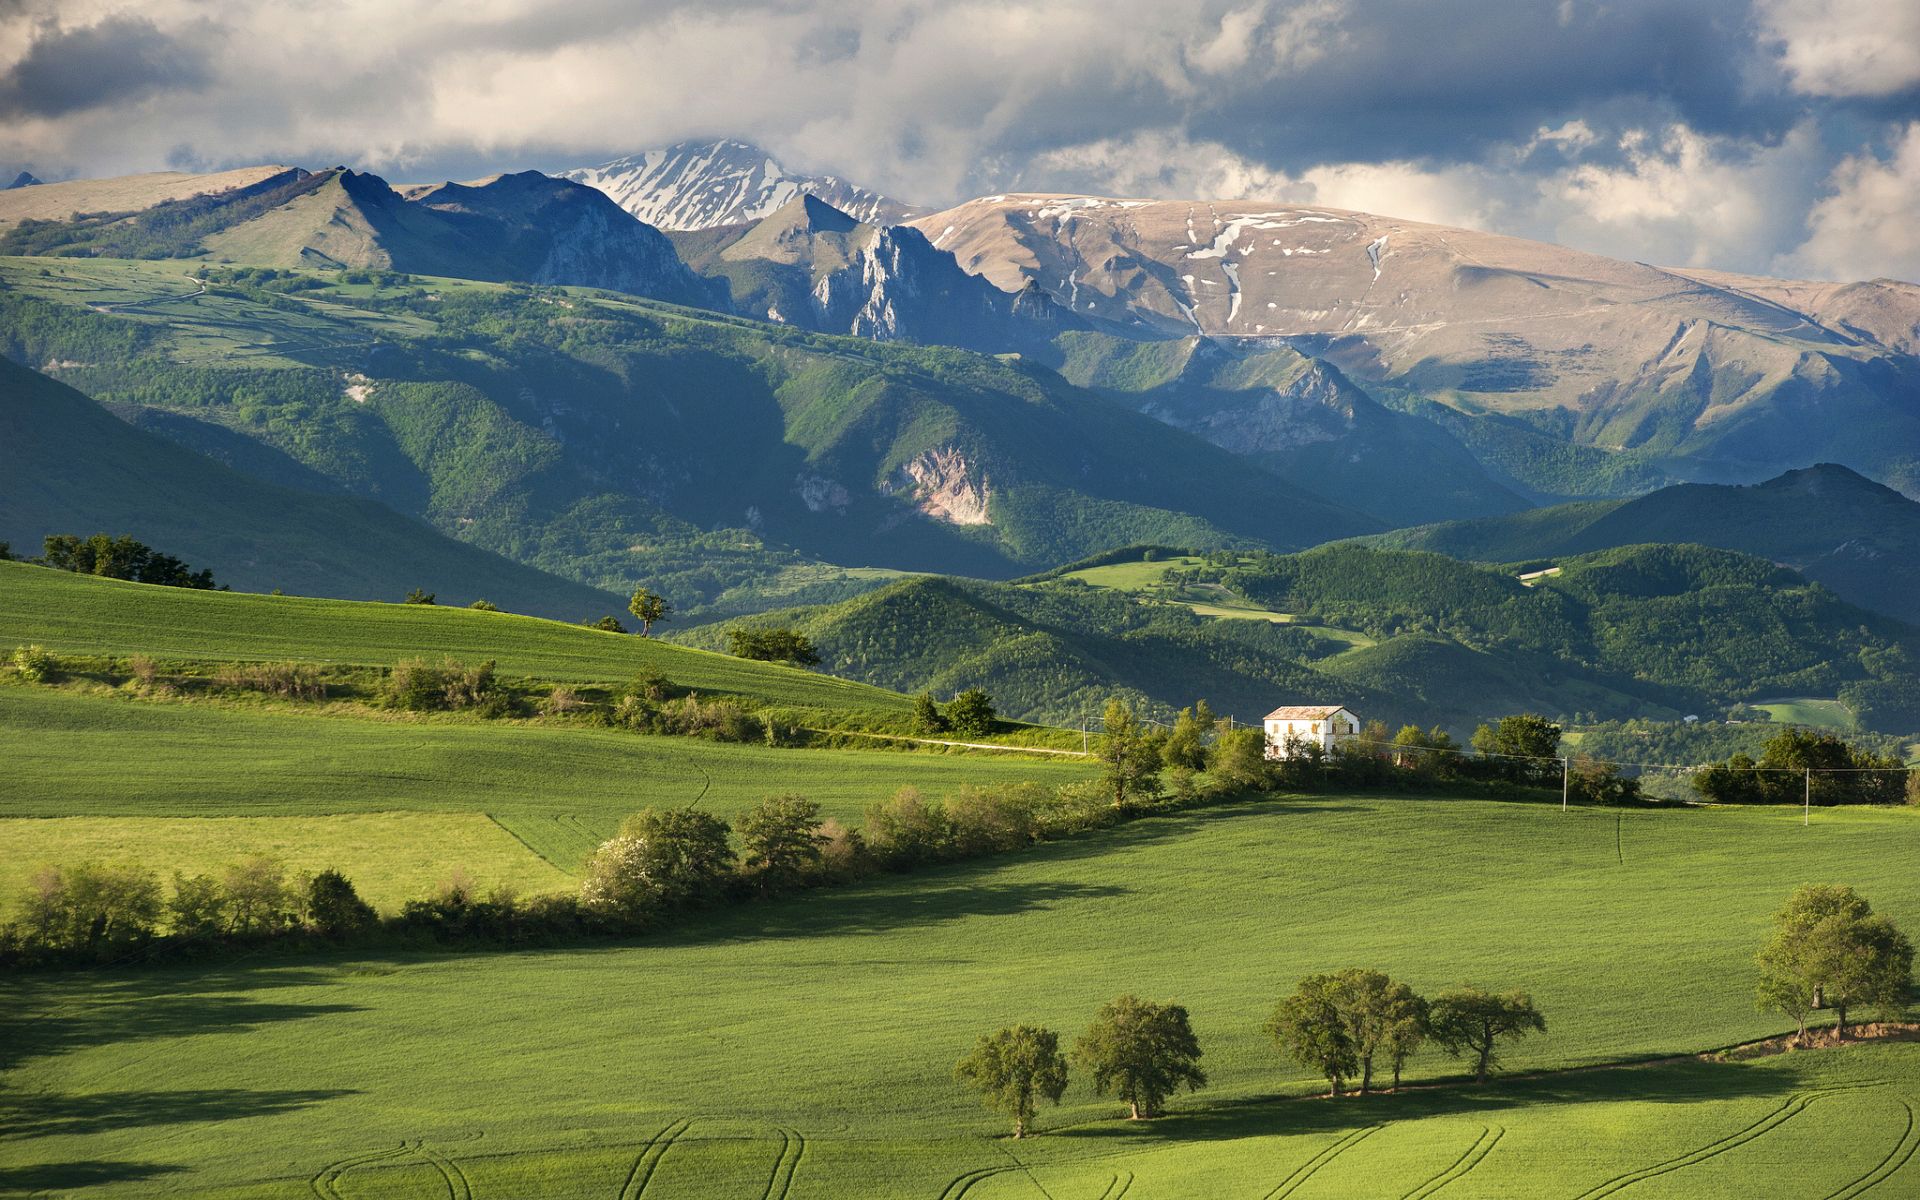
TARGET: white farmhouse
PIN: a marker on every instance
(1295, 726)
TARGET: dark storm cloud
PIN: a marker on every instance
(122, 58)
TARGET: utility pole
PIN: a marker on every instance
(1565, 782)
(1806, 809)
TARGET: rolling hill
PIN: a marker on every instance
(1548, 361)
(72, 467)
(1855, 536)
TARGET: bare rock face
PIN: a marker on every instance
(943, 487)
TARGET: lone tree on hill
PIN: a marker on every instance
(1142, 1053)
(1828, 948)
(1129, 756)
(1307, 1027)
(1472, 1020)
(1014, 1069)
(1381, 1016)
(926, 715)
(647, 607)
(418, 596)
(971, 713)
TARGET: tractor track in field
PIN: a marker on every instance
(459, 1187)
(1458, 1169)
(1118, 1186)
(648, 1160)
(324, 1181)
(1886, 1168)
(1306, 1170)
(1793, 1107)
(780, 1182)
(1028, 1172)
(960, 1185)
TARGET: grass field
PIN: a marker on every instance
(1809, 710)
(1144, 578)
(803, 1048)
(559, 790)
(83, 615)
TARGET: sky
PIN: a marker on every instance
(1768, 136)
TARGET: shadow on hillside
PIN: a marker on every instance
(43, 1114)
(1690, 1082)
(90, 1173)
(869, 910)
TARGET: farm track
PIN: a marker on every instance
(960, 1185)
(1119, 1186)
(1886, 1168)
(324, 1182)
(1470, 1158)
(794, 1143)
(1306, 1170)
(648, 1160)
(1794, 1106)
(458, 1186)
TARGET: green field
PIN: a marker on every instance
(803, 1047)
(1809, 710)
(558, 789)
(83, 615)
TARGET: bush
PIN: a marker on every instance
(906, 830)
(335, 910)
(561, 701)
(35, 665)
(721, 720)
(993, 821)
(259, 901)
(607, 624)
(419, 686)
(289, 681)
(484, 606)
(416, 596)
(772, 645)
(971, 713)
(91, 907)
(926, 715)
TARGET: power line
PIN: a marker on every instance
(1555, 758)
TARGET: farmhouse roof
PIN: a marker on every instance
(1304, 712)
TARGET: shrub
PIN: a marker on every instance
(419, 686)
(484, 606)
(607, 624)
(782, 840)
(35, 664)
(91, 907)
(561, 701)
(651, 685)
(907, 829)
(289, 681)
(259, 901)
(143, 670)
(992, 821)
(926, 715)
(335, 910)
(721, 720)
(772, 645)
(198, 908)
(971, 713)
(417, 596)
(844, 855)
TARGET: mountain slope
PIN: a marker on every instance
(1693, 376)
(72, 467)
(810, 265)
(1855, 536)
(701, 185)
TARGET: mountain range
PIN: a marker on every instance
(701, 185)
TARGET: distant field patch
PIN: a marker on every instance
(390, 856)
(1130, 576)
(1809, 710)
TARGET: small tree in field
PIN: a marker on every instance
(1129, 759)
(686, 852)
(1014, 1069)
(1380, 1016)
(648, 607)
(1473, 1021)
(334, 909)
(926, 715)
(1307, 1027)
(971, 713)
(1829, 948)
(782, 839)
(420, 596)
(1142, 1053)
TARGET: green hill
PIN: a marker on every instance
(614, 440)
(1857, 537)
(72, 467)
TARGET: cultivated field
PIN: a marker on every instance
(804, 1047)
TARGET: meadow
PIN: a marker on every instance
(803, 1047)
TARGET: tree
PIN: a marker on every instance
(1308, 1028)
(607, 624)
(1240, 759)
(926, 715)
(335, 910)
(417, 596)
(1590, 781)
(1142, 1053)
(781, 838)
(91, 907)
(1129, 759)
(971, 713)
(1188, 743)
(772, 645)
(120, 558)
(1380, 1015)
(258, 898)
(1829, 948)
(1473, 1021)
(647, 607)
(1013, 1069)
(686, 854)
(1519, 743)
(484, 606)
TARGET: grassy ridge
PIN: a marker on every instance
(1633, 931)
(84, 615)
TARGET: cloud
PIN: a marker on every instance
(119, 60)
(1845, 47)
(1577, 119)
(1865, 227)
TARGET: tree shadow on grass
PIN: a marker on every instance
(32, 1115)
(872, 910)
(90, 1173)
(1689, 1082)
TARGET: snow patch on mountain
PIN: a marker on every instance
(702, 185)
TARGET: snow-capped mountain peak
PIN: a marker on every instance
(701, 185)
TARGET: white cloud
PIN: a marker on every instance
(1845, 47)
(1229, 49)
(1868, 228)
